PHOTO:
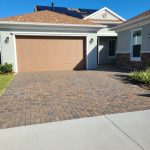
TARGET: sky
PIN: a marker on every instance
(125, 8)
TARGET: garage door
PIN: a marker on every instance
(50, 53)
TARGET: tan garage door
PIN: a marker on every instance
(50, 53)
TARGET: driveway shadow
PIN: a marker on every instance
(111, 68)
(123, 78)
(145, 95)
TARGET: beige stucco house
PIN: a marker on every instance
(48, 40)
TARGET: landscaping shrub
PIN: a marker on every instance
(6, 68)
(141, 76)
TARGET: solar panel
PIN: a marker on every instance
(78, 13)
(41, 8)
(88, 10)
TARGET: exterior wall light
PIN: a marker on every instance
(91, 40)
(7, 40)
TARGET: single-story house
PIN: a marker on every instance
(133, 48)
(106, 38)
(48, 40)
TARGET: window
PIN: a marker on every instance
(136, 45)
(112, 48)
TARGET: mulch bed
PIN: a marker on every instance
(127, 79)
(144, 86)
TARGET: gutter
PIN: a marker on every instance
(130, 23)
(9, 23)
(108, 23)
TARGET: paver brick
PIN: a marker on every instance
(61, 95)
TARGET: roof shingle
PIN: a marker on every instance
(144, 14)
(47, 17)
(133, 20)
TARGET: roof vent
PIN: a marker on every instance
(52, 6)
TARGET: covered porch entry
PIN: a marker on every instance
(107, 46)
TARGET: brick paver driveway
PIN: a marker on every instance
(52, 96)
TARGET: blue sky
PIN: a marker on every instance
(125, 8)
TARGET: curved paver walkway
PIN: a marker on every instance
(34, 98)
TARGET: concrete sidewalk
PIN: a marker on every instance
(126, 131)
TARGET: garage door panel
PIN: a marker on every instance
(50, 53)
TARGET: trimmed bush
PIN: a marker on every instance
(6, 68)
(141, 76)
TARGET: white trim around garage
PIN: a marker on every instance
(48, 34)
(15, 53)
(87, 51)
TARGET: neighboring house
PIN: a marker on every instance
(133, 50)
(107, 39)
(48, 40)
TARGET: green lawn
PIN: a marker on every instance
(4, 80)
